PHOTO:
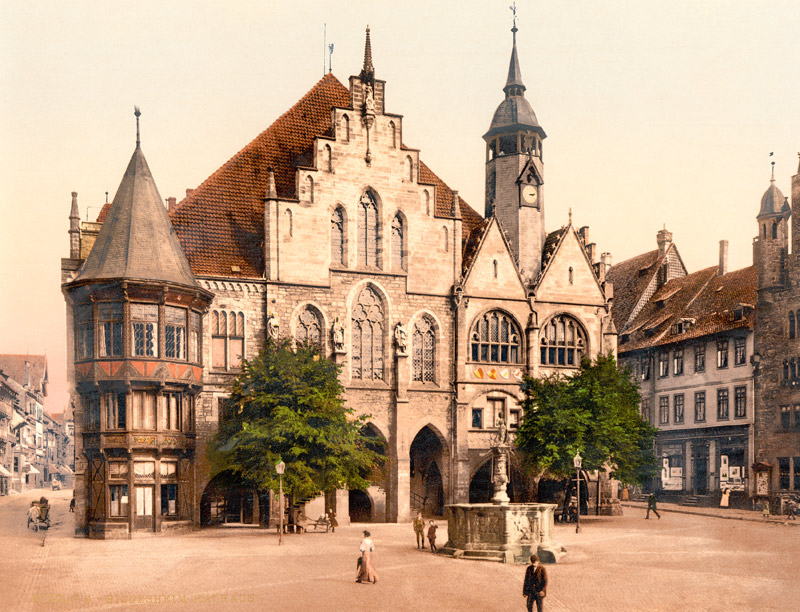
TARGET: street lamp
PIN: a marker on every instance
(576, 461)
(279, 468)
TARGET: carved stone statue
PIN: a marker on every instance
(400, 338)
(338, 336)
(369, 100)
(273, 326)
(502, 431)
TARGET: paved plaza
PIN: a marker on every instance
(680, 562)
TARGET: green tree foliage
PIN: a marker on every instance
(286, 404)
(594, 412)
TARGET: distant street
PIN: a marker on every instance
(678, 563)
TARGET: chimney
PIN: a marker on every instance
(189, 192)
(172, 204)
(605, 259)
(584, 234)
(723, 258)
(664, 240)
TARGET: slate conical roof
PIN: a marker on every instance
(771, 201)
(137, 241)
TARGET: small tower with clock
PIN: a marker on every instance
(514, 172)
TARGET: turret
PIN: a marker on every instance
(74, 229)
(770, 246)
(514, 171)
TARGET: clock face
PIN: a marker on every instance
(529, 194)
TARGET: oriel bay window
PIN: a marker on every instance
(144, 325)
(109, 329)
(175, 333)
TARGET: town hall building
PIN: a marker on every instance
(326, 227)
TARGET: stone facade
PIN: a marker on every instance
(777, 379)
(327, 227)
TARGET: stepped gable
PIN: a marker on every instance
(630, 279)
(14, 367)
(706, 301)
(137, 241)
(221, 223)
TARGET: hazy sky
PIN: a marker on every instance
(656, 112)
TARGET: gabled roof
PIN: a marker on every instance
(14, 367)
(631, 278)
(703, 302)
(552, 245)
(221, 223)
(137, 241)
(476, 241)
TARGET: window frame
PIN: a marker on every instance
(700, 357)
(677, 362)
(486, 341)
(740, 402)
(700, 407)
(678, 409)
(722, 353)
(739, 351)
(423, 351)
(723, 404)
(563, 342)
(663, 410)
(110, 329)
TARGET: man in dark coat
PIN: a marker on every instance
(651, 505)
(535, 585)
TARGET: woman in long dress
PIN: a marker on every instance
(366, 571)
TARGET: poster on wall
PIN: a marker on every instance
(762, 483)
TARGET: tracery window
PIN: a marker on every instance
(495, 339)
(367, 338)
(422, 348)
(563, 342)
(309, 326)
(337, 238)
(368, 231)
(398, 243)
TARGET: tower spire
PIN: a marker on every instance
(368, 71)
(137, 113)
(514, 85)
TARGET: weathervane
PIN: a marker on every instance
(330, 57)
(513, 9)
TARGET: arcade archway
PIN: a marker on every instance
(427, 483)
(227, 500)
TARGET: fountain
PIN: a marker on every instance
(500, 530)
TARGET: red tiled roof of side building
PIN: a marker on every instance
(630, 279)
(104, 212)
(220, 223)
(707, 301)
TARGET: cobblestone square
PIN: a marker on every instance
(680, 562)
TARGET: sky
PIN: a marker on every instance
(656, 113)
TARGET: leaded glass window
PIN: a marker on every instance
(175, 332)
(422, 347)
(368, 231)
(84, 341)
(563, 342)
(495, 339)
(109, 328)
(309, 326)
(367, 339)
(144, 321)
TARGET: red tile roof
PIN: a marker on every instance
(220, 224)
(630, 279)
(707, 302)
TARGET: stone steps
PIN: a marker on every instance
(474, 555)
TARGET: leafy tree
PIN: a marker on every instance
(595, 412)
(286, 404)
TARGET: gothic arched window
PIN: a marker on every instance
(774, 230)
(563, 342)
(309, 326)
(422, 347)
(791, 325)
(367, 339)
(346, 127)
(393, 130)
(398, 243)
(309, 189)
(328, 158)
(368, 231)
(495, 339)
(337, 238)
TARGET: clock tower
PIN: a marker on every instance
(514, 172)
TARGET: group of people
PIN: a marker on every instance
(419, 530)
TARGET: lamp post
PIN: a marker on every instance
(279, 468)
(576, 461)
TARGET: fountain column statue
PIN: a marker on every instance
(500, 448)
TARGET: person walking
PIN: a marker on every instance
(535, 585)
(651, 505)
(432, 537)
(725, 499)
(791, 510)
(366, 570)
(332, 520)
(419, 530)
(72, 503)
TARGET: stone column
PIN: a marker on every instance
(398, 496)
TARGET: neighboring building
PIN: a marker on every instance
(688, 339)
(27, 377)
(8, 399)
(326, 227)
(777, 335)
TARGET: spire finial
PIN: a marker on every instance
(137, 113)
(772, 178)
(513, 9)
(514, 84)
(368, 71)
(570, 215)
